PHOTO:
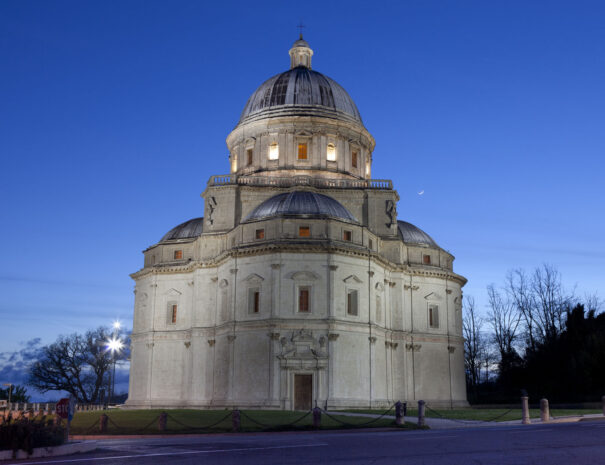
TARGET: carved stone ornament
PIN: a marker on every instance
(448, 291)
(372, 339)
(391, 211)
(333, 267)
(231, 337)
(149, 345)
(211, 342)
(273, 336)
(333, 336)
(275, 266)
(187, 344)
(212, 205)
(301, 346)
(413, 347)
(451, 349)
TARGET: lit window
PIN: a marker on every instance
(273, 151)
(352, 303)
(304, 231)
(331, 152)
(302, 151)
(303, 299)
(178, 254)
(354, 159)
(173, 309)
(249, 155)
(254, 301)
(260, 233)
(426, 259)
(346, 236)
(433, 316)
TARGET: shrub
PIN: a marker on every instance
(26, 435)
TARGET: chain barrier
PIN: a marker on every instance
(262, 425)
(358, 424)
(198, 428)
(467, 421)
(113, 423)
(155, 420)
(89, 429)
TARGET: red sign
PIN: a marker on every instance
(62, 408)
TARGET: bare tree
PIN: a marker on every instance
(473, 341)
(76, 364)
(504, 320)
(592, 303)
(518, 288)
(551, 302)
(541, 301)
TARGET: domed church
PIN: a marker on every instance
(300, 286)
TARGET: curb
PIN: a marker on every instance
(40, 452)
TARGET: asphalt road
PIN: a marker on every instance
(568, 443)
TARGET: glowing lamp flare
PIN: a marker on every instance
(114, 345)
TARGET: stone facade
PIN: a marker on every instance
(305, 306)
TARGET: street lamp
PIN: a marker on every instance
(10, 391)
(114, 345)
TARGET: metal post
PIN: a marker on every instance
(525, 410)
(544, 410)
(163, 419)
(398, 413)
(236, 420)
(103, 423)
(421, 405)
(603, 400)
(316, 418)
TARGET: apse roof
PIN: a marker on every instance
(186, 230)
(411, 234)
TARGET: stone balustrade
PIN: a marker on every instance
(322, 183)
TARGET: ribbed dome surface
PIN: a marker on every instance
(300, 203)
(411, 234)
(298, 91)
(186, 230)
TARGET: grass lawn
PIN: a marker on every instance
(491, 414)
(213, 421)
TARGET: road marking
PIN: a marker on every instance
(432, 437)
(532, 430)
(135, 456)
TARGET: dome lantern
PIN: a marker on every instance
(300, 54)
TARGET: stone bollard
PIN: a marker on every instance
(544, 410)
(525, 409)
(316, 418)
(603, 400)
(398, 413)
(162, 420)
(421, 405)
(103, 423)
(236, 420)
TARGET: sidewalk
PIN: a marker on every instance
(444, 423)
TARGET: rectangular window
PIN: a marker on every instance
(173, 309)
(426, 259)
(352, 303)
(303, 299)
(354, 159)
(346, 236)
(302, 151)
(178, 254)
(249, 154)
(304, 231)
(370, 243)
(260, 234)
(433, 316)
(274, 151)
(331, 152)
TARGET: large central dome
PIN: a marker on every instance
(300, 91)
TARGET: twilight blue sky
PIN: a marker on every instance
(113, 115)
